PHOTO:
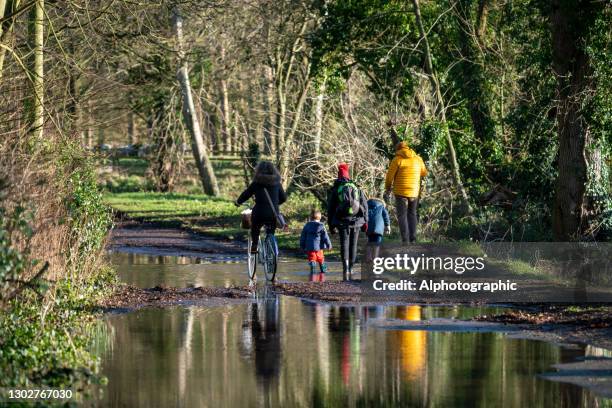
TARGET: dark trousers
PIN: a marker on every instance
(348, 243)
(407, 217)
(256, 227)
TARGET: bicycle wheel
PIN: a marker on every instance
(251, 260)
(270, 262)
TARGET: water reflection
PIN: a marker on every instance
(281, 351)
(285, 352)
(263, 339)
(148, 271)
(410, 345)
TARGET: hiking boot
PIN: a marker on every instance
(323, 267)
(313, 267)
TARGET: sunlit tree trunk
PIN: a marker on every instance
(200, 153)
(441, 109)
(269, 130)
(2, 13)
(225, 111)
(7, 7)
(318, 120)
(281, 118)
(2, 36)
(37, 70)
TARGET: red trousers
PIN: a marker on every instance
(316, 256)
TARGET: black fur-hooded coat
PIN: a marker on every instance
(262, 211)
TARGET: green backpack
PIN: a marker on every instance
(349, 201)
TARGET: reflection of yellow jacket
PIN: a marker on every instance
(405, 173)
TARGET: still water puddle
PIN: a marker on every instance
(282, 351)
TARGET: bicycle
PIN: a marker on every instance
(267, 255)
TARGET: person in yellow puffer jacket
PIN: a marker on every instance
(404, 176)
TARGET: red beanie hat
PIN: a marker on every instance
(343, 171)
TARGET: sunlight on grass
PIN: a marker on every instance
(169, 206)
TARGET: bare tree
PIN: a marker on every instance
(200, 151)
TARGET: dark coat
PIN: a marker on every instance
(262, 210)
(314, 237)
(356, 220)
(378, 217)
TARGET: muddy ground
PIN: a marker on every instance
(151, 239)
(127, 297)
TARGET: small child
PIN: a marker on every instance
(378, 224)
(314, 240)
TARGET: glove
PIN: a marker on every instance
(364, 227)
(388, 229)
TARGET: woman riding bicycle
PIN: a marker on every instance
(266, 178)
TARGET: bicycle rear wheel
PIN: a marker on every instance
(271, 255)
(251, 260)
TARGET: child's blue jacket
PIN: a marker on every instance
(314, 237)
(378, 217)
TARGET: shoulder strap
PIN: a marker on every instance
(270, 202)
(280, 221)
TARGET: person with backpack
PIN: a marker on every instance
(347, 213)
(269, 195)
(404, 176)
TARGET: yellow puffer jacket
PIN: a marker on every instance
(405, 173)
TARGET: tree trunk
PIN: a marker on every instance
(285, 164)
(2, 36)
(2, 9)
(6, 29)
(88, 134)
(101, 136)
(130, 128)
(318, 117)
(570, 22)
(200, 153)
(441, 110)
(281, 112)
(37, 75)
(163, 142)
(269, 131)
(481, 18)
(225, 111)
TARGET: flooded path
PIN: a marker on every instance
(283, 351)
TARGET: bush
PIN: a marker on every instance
(90, 217)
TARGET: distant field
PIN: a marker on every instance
(131, 174)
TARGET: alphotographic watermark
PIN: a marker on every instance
(489, 272)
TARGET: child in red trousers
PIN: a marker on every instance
(314, 240)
